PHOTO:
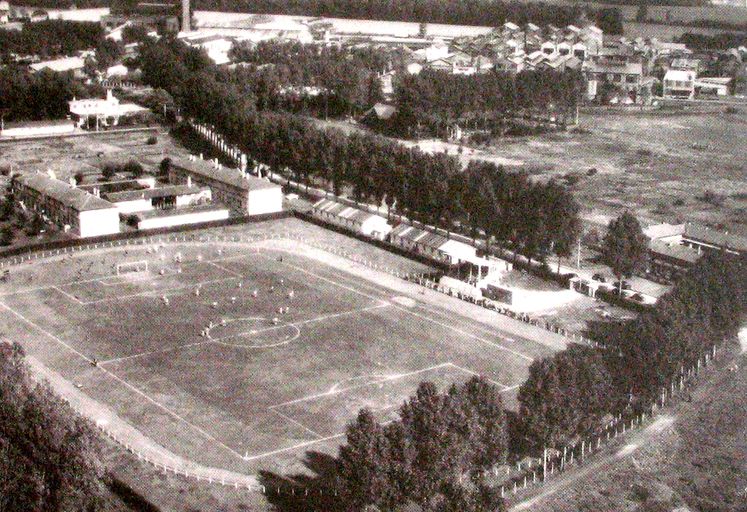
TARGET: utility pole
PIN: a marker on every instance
(578, 254)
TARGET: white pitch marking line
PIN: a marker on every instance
(464, 333)
(221, 267)
(71, 297)
(294, 447)
(302, 322)
(146, 354)
(124, 382)
(159, 291)
(298, 423)
(465, 370)
(478, 327)
(373, 382)
(344, 287)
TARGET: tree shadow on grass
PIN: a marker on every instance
(304, 492)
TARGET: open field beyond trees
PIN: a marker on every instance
(662, 167)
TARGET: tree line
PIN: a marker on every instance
(566, 396)
(344, 81)
(432, 101)
(722, 41)
(537, 218)
(49, 458)
(435, 454)
(51, 38)
(41, 95)
(463, 12)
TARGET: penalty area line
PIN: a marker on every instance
(125, 383)
(297, 423)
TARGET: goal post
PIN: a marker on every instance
(132, 266)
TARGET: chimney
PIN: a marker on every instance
(186, 25)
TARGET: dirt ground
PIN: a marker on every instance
(66, 156)
(658, 166)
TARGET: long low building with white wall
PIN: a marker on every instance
(68, 207)
(243, 194)
(155, 219)
(162, 198)
(363, 222)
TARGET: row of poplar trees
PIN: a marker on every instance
(539, 219)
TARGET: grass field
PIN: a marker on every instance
(655, 165)
(252, 393)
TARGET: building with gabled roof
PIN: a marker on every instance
(70, 208)
(242, 193)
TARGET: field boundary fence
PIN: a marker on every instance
(526, 472)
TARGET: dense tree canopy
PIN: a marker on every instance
(463, 12)
(566, 395)
(424, 456)
(42, 95)
(625, 246)
(51, 38)
(538, 219)
(434, 100)
(48, 459)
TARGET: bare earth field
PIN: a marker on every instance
(646, 163)
(253, 393)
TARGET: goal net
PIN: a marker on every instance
(132, 266)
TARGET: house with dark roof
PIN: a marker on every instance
(63, 204)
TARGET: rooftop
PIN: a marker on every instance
(150, 193)
(231, 177)
(71, 196)
(341, 210)
(674, 251)
(714, 237)
(419, 236)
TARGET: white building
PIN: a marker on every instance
(243, 194)
(45, 128)
(155, 219)
(365, 223)
(679, 83)
(68, 207)
(105, 112)
(714, 86)
(159, 199)
(216, 46)
(4, 12)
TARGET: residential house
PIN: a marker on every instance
(679, 84)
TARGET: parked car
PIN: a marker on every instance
(599, 277)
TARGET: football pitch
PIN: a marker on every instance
(244, 357)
